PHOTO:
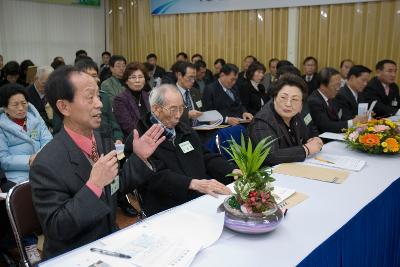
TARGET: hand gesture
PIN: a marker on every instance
(145, 145)
(247, 116)
(104, 170)
(211, 187)
(233, 121)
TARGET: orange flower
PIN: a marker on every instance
(369, 139)
(392, 145)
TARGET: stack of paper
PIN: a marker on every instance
(337, 161)
(212, 117)
(333, 136)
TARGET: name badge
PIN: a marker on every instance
(307, 119)
(199, 104)
(34, 134)
(186, 147)
(114, 186)
(394, 103)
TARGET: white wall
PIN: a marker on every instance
(41, 31)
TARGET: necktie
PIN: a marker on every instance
(308, 78)
(331, 110)
(44, 101)
(230, 94)
(188, 102)
(94, 156)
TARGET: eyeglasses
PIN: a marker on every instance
(291, 101)
(16, 105)
(190, 79)
(174, 110)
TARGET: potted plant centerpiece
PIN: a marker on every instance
(252, 207)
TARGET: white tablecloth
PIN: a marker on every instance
(306, 226)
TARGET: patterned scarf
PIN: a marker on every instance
(169, 132)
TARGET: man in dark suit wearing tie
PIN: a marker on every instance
(75, 178)
(324, 110)
(310, 65)
(350, 95)
(37, 95)
(222, 95)
(384, 89)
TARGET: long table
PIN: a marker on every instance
(356, 223)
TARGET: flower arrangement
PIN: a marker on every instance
(376, 136)
(253, 186)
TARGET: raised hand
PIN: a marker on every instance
(145, 145)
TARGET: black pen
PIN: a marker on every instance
(110, 253)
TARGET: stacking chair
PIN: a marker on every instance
(221, 138)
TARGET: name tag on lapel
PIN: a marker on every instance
(114, 186)
(199, 104)
(307, 119)
(394, 103)
(34, 134)
(186, 147)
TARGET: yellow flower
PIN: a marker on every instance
(385, 150)
(370, 129)
(392, 144)
(384, 144)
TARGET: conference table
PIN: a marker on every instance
(356, 223)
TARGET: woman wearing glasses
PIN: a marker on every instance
(133, 103)
(280, 118)
(23, 133)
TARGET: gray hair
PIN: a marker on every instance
(42, 71)
(157, 95)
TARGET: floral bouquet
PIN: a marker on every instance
(375, 137)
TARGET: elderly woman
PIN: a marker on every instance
(133, 103)
(252, 91)
(23, 133)
(280, 118)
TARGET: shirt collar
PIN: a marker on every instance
(225, 89)
(39, 93)
(83, 142)
(323, 96)
(255, 85)
(355, 94)
(181, 89)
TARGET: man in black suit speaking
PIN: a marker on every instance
(76, 176)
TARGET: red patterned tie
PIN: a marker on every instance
(94, 156)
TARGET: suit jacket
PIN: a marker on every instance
(324, 121)
(169, 186)
(214, 97)
(158, 72)
(70, 214)
(267, 82)
(169, 78)
(313, 84)
(268, 123)
(127, 111)
(112, 87)
(251, 98)
(347, 103)
(197, 104)
(34, 99)
(385, 106)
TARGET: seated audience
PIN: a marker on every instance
(383, 88)
(218, 63)
(270, 77)
(222, 95)
(105, 71)
(345, 66)
(203, 76)
(23, 133)
(57, 62)
(185, 170)
(208, 77)
(155, 72)
(133, 103)
(113, 86)
(351, 95)
(37, 96)
(280, 119)
(246, 63)
(10, 72)
(324, 110)
(75, 177)
(252, 91)
(310, 65)
(182, 56)
(170, 77)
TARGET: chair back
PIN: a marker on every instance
(221, 138)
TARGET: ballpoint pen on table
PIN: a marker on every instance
(110, 253)
(324, 160)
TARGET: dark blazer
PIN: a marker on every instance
(385, 106)
(158, 72)
(70, 214)
(34, 99)
(169, 186)
(268, 123)
(347, 103)
(313, 84)
(169, 78)
(197, 104)
(251, 98)
(127, 112)
(324, 121)
(209, 77)
(214, 97)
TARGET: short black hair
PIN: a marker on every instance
(255, 66)
(282, 63)
(24, 66)
(106, 53)
(228, 68)
(183, 66)
(116, 58)
(185, 56)
(250, 56)
(220, 60)
(197, 55)
(9, 90)
(80, 53)
(86, 64)
(310, 58)
(272, 60)
(11, 68)
(57, 63)
(151, 55)
(292, 80)
(82, 57)
(200, 64)
(357, 70)
(345, 60)
(59, 87)
(325, 75)
(381, 64)
(287, 69)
